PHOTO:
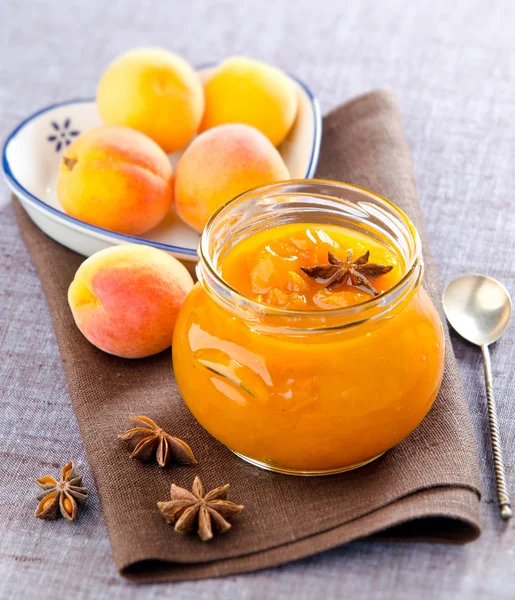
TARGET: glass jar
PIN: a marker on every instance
(308, 392)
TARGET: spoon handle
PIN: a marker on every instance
(500, 473)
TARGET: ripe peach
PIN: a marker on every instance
(125, 299)
(154, 91)
(116, 178)
(220, 164)
(248, 91)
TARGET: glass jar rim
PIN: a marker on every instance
(208, 273)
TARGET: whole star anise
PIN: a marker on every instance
(148, 440)
(61, 496)
(196, 509)
(353, 272)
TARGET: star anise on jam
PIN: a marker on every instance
(198, 510)
(149, 441)
(357, 272)
(61, 497)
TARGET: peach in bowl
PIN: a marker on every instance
(33, 153)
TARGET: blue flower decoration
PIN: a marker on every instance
(63, 136)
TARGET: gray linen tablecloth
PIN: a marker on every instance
(453, 66)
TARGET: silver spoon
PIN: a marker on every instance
(479, 309)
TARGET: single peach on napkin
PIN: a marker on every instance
(125, 299)
(241, 90)
(220, 164)
(116, 178)
(155, 91)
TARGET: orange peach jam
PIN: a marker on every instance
(267, 266)
(320, 399)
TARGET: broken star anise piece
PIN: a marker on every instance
(198, 510)
(357, 272)
(61, 497)
(149, 441)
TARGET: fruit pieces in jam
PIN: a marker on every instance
(269, 269)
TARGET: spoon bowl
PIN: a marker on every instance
(478, 308)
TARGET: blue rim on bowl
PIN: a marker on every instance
(43, 206)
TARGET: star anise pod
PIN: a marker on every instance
(61, 496)
(148, 440)
(196, 509)
(353, 272)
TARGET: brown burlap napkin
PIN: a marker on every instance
(427, 487)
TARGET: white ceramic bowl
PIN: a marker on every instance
(32, 153)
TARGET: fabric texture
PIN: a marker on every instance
(427, 487)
